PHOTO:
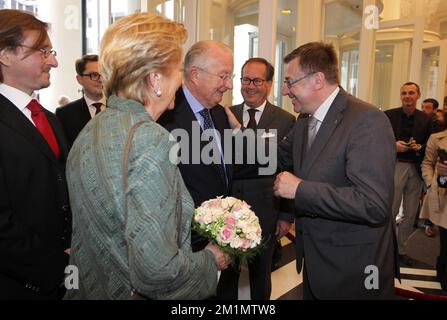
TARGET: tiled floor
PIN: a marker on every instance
(286, 282)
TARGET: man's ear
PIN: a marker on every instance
(193, 72)
(78, 78)
(319, 80)
(5, 57)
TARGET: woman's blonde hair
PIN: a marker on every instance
(133, 47)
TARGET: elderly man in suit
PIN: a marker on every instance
(75, 115)
(35, 217)
(258, 114)
(342, 156)
(208, 74)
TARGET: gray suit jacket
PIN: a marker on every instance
(344, 222)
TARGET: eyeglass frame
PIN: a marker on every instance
(250, 80)
(97, 76)
(291, 82)
(223, 77)
(45, 52)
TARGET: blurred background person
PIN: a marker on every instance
(63, 100)
(141, 66)
(430, 107)
(434, 207)
(411, 128)
(75, 115)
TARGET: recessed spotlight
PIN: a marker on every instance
(286, 11)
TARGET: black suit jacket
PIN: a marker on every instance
(35, 217)
(73, 117)
(422, 130)
(266, 207)
(343, 205)
(257, 191)
(203, 181)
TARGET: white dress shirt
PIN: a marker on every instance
(91, 107)
(246, 115)
(18, 98)
(323, 109)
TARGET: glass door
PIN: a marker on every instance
(433, 70)
(398, 48)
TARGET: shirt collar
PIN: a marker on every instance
(19, 98)
(90, 101)
(323, 109)
(195, 105)
(260, 108)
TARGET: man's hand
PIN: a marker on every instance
(234, 123)
(402, 146)
(282, 227)
(285, 185)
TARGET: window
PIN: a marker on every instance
(100, 14)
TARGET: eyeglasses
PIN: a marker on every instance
(223, 77)
(256, 81)
(291, 82)
(45, 52)
(95, 76)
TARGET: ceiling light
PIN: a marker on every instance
(286, 11)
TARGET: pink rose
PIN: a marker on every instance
(226, 234)
(230, 220)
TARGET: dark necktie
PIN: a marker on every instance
(312, 131)
(252, 121)
(208, 124)
(40, 120)
(98, 106)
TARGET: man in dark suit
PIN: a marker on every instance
(342, 154)
(258, 114)
(75, 115)
(411, 128)
(35, 217)
(208, 75)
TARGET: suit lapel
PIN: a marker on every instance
(219, 119)
(238, 113)
(330, 123)
(84, 112)
(267, 116)
(300, 135)
(16, 120)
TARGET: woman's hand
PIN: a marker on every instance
(223, 260)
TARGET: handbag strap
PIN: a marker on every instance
(124, 180)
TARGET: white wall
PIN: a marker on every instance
(65, 19)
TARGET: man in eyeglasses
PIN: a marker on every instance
(35, 216)
(75, 115)
(257, 113)
(341, 156)
(208, 74)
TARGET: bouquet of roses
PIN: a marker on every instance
(229, 223)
